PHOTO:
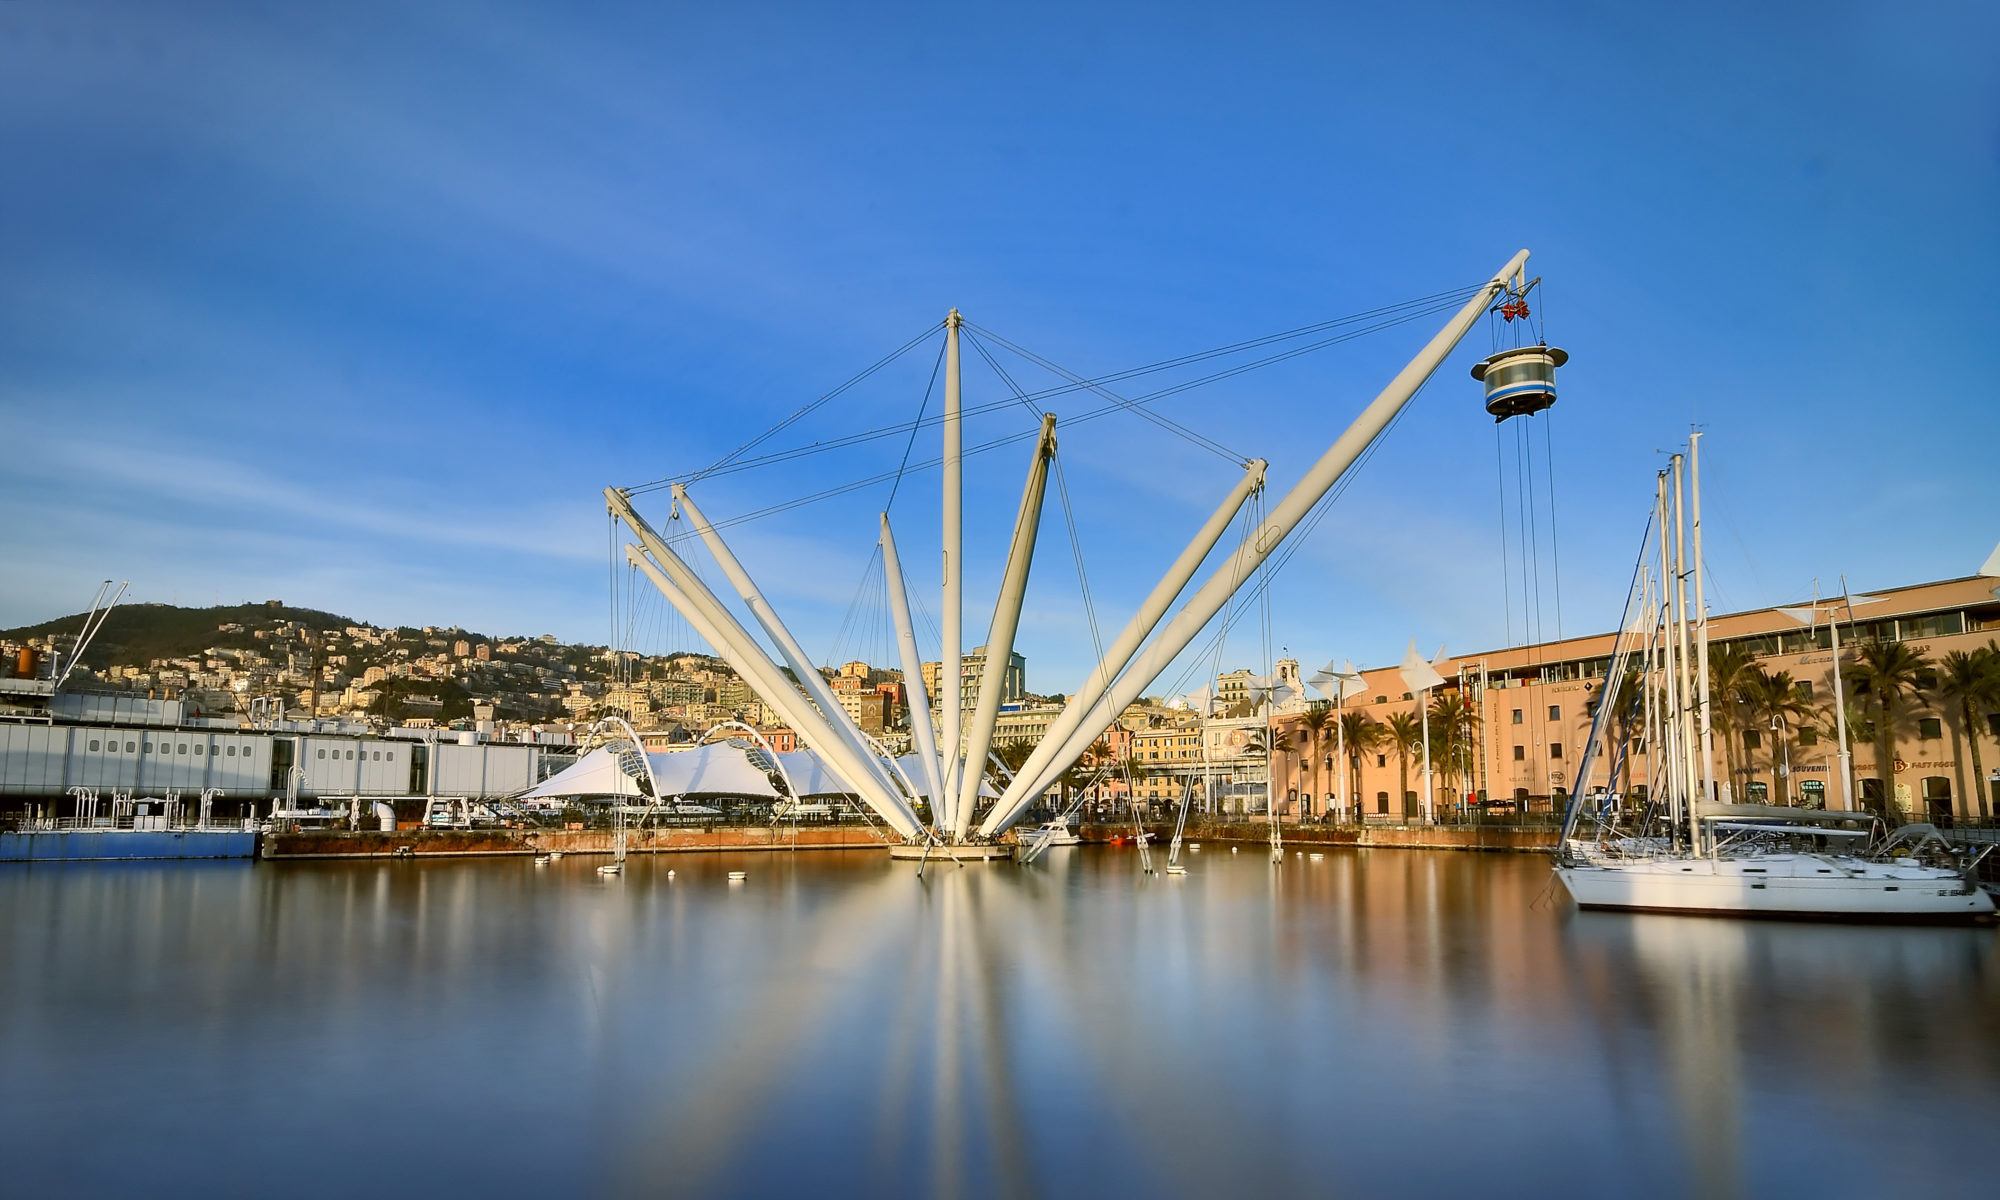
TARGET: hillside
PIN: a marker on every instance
(139, 633)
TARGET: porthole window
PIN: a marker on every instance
(93, 744)
(182, 749)
(128, 747)
(322, 752)
(378, 756)
(350, 755)
(198, 749)
(149, 747)
(392, 756)
(232, 752)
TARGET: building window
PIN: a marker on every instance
(1520, 753)
(1517, 716)
(1555, 712)
(1804, 689)
(1382, 802)
(1929, 727)
(1555, 749)
(1752, 738)
(1808, 736)
(1382, 700)
(1381, 760)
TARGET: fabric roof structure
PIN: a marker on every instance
(714, 770)
(811, 776)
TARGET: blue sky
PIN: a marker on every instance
(360, 306)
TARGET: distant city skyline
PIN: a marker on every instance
(362, 308)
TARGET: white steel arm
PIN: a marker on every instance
(918, 697)
(1127, 643)
(1000, 635)
(795, 657)
(1283, 517)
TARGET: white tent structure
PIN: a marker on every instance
(812, 776)
(714, 770)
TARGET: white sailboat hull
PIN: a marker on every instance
(1777, 885)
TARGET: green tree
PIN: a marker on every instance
(1361, 733)
(1625, 703)
(1772, 702)
(1889, 675)
(1729, 667)
(1405, 735)
(1315, 726)
(1454, 726)
(1972, 680)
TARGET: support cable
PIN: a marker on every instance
(753, 443)
(780, 456)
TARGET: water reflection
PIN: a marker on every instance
(1372, 1022)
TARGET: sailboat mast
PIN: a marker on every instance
(951, 663)
(1670, 672)
(1684, 709)
(1844, 756)
(1703, 719)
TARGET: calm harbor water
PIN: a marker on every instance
(1372, 1023)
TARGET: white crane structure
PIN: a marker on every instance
(950, 759)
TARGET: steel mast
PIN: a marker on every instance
(951, 662)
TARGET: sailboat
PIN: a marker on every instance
(617, 864)
(1693, 853)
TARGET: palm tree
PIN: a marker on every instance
(1361, 733)
(1973, 680)
(1624, 711)
(1269, 743)
(1313, 728)
(1455, 722)
(1728, 667)
(1772, 702)
(1405, 734)
(1889, 674)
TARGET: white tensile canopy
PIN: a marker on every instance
(714, 770)
(718, 769)
(811, 777)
